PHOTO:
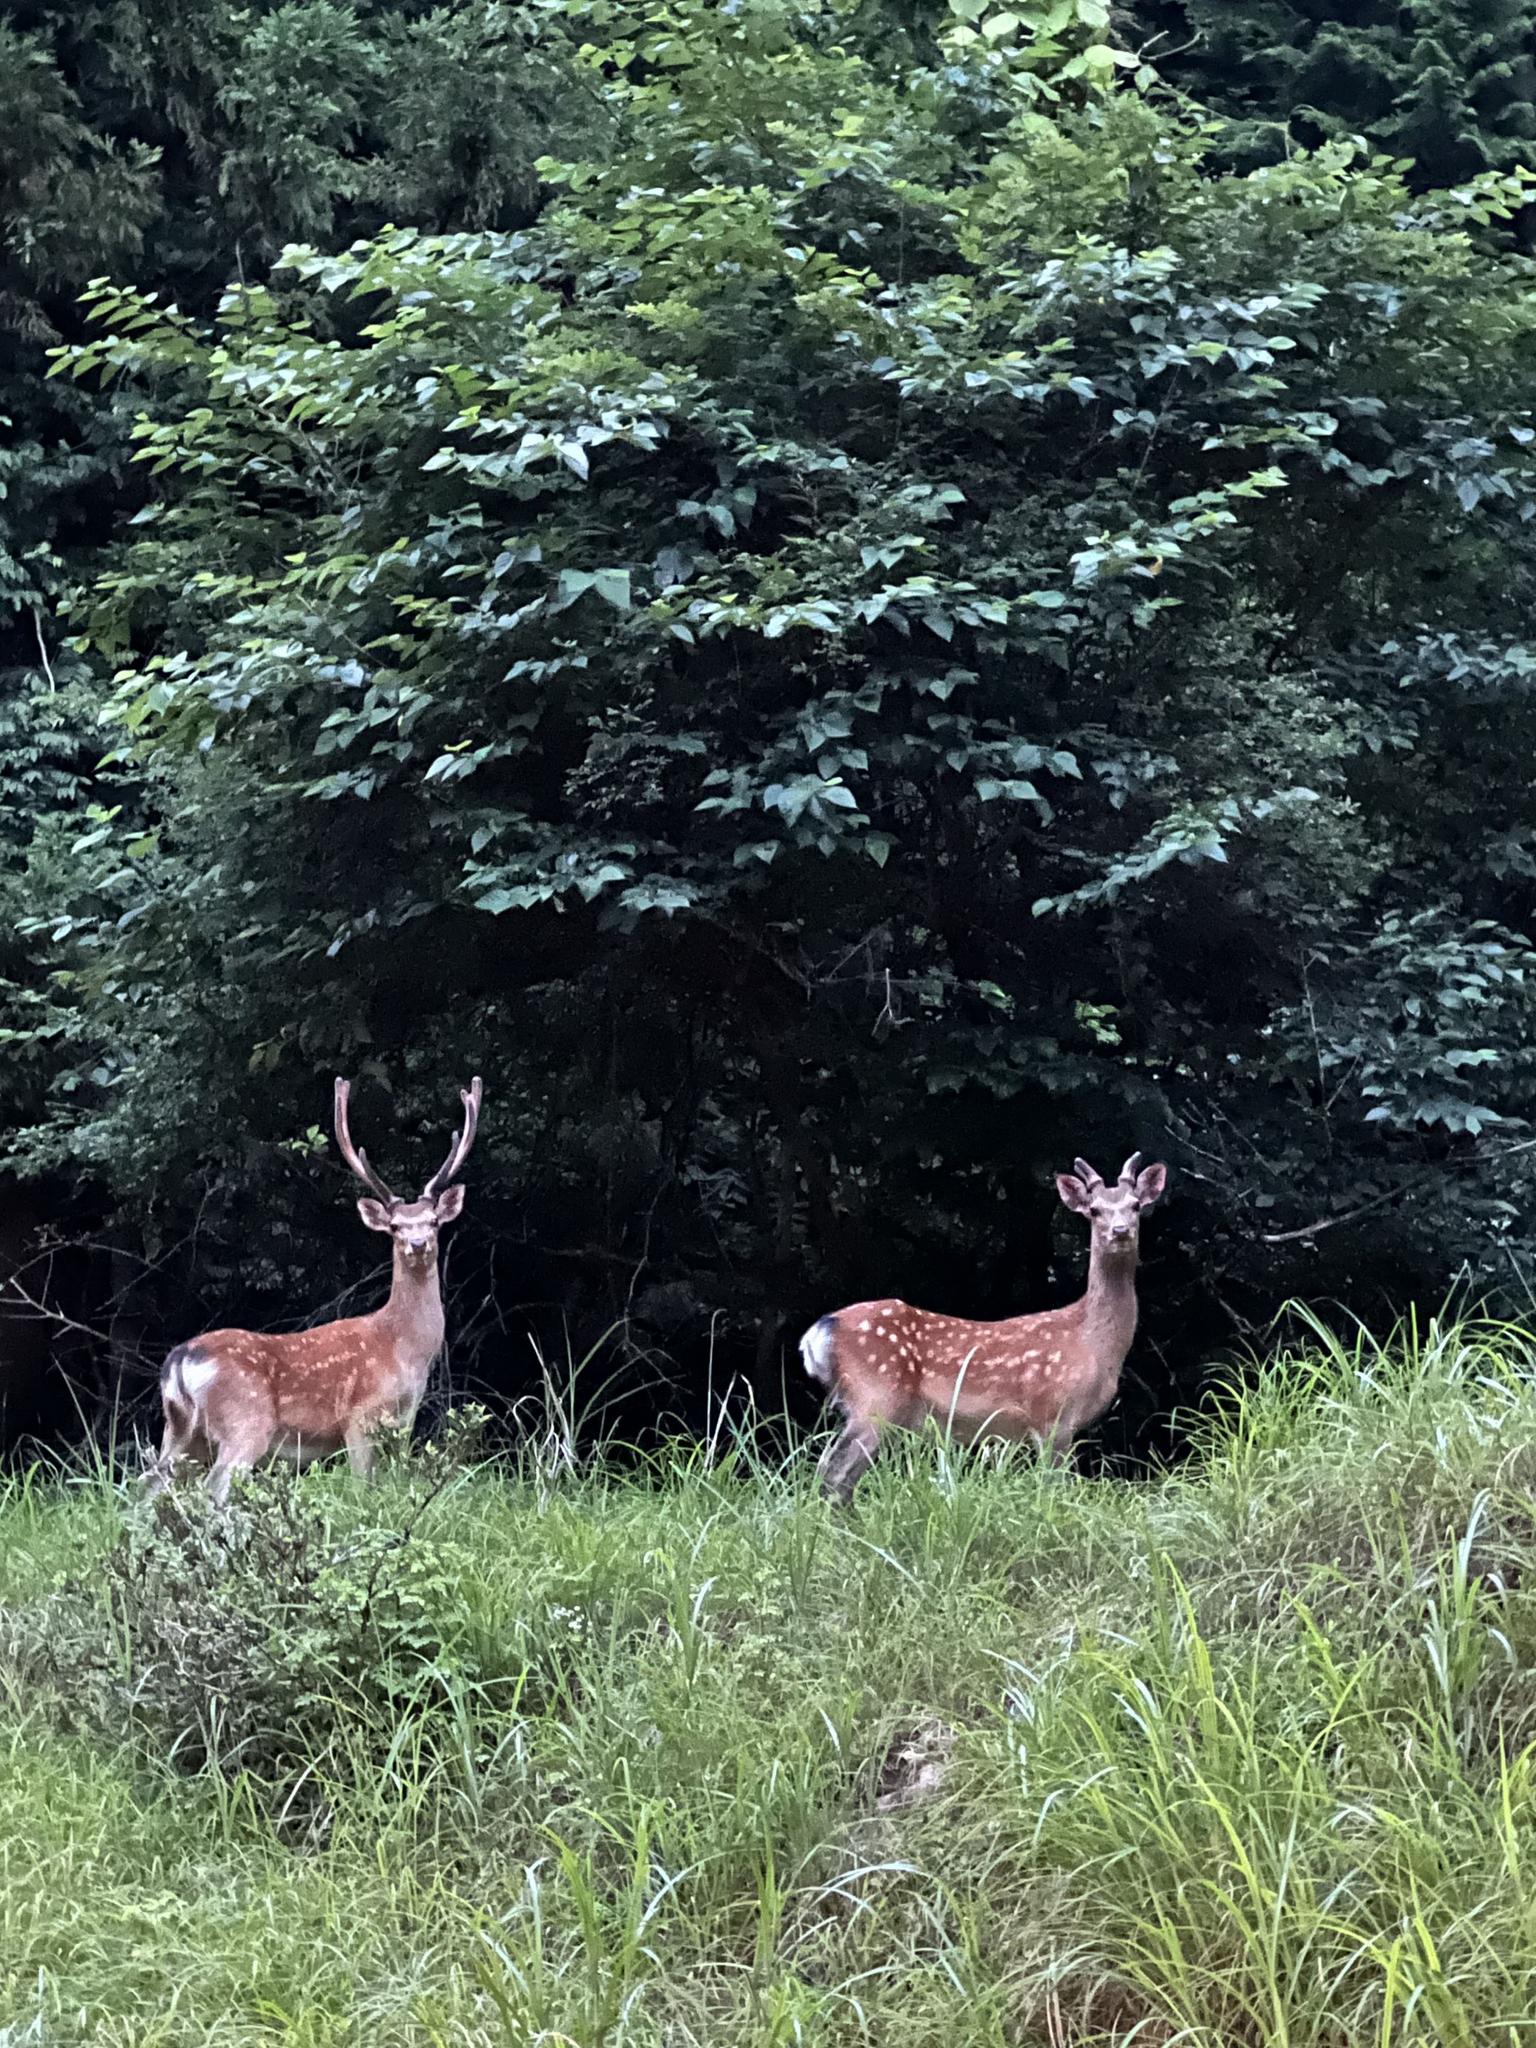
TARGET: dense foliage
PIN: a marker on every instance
(904, 620)
(1449, 85)
(182, 147)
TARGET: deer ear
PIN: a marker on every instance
(1073, 1193)
(1150, 1184)
(450, 1202)
(373, 1213)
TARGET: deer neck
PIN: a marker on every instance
(413, 1313)
(1109, 1306)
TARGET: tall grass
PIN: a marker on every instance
(672, 1755)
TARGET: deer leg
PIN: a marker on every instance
(239, 1421)
(358, 1439)
(1055, 1447)
(235, 1454)
(175, 1443)
(224, 1469)
(161, 1469)
(846, 1461)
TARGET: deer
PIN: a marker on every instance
(1044, 1377)
(232, 1397)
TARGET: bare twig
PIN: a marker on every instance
(12, 1291)
(1391, 1194)
(42, 649)
(1348, 1216)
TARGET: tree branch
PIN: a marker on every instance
(1391, 1195)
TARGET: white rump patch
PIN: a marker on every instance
(197, 1373)
(816, 1350)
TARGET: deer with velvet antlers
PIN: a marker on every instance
(233, 1396)
(1045, 1376)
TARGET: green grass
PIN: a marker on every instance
(1001, 1756)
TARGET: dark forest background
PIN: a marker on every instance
(846, 600)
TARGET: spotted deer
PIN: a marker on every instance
(1045, 1376)
(231, 1397)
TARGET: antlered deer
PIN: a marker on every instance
(1044, 1376)
(232, 1396)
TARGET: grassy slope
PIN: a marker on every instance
(1242, 1753)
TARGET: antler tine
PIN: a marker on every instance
(1089, 1177)
(1131, 1168)
(470, 1097)
(358, 1161)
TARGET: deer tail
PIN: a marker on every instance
(179, 1398)
(817, 1351)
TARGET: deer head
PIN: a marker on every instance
(413, 1225)
(1113, 1209)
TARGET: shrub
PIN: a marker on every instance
(265, 1638)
